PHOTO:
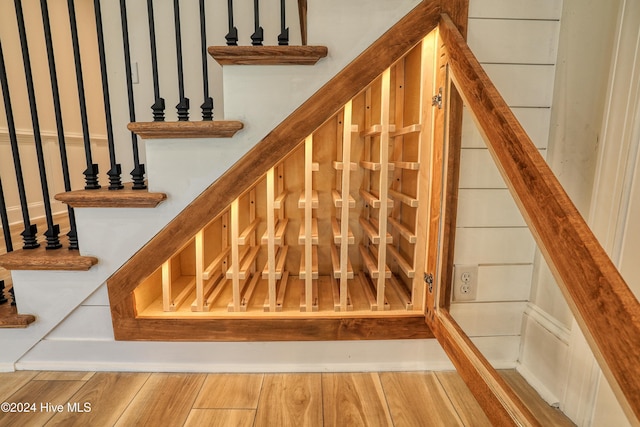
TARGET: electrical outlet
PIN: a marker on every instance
(465, 282)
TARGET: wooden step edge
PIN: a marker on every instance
(105, 198)
(43, 259)
(200, 129)
(16, 320)
(267, 55)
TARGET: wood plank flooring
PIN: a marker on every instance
(330, 399)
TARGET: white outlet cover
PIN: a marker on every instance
(463, 289)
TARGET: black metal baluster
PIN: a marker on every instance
(137, 173)
(53, 230)
(258, 36)
(4, 219)
(91, 174)
(3, 298)
(283, 38)
(73, 234)
(115, 172)
(207, 106)
(29, 240)
(183, 105)
(232, 36)
(158, 104)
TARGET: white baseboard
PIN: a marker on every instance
(548, 322)
(538, 385)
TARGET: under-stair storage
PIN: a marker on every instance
(320, 232)
(330, 230)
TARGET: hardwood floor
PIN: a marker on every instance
(330, 399)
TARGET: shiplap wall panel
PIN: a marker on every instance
(515, 9)
(516, 43)
(535, 122)
(514, 280)
(494, 246)
(528, 41)
(91, 322)
(490, 318)
(523, 85)
(491, 207)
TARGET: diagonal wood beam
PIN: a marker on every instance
(498, 400)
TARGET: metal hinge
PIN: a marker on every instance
(436, 100)
(428, 279)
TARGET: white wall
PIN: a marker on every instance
(554, 356)
(616, 196)
(516, 43)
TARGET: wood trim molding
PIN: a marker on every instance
(273, 329)
(16, 321)
(43, 259)
(267, 55)
(275, 146)
(498, 400)
(602, 303)
(202, 129)
(105, 198)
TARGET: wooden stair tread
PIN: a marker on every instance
(267, 55)
(9, 317)
(43, 259)
(105, 198)
(201, 129)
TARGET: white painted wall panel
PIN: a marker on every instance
(523, 85)
(513, 41)
(515, 9)
(504, 282)
(85, 323)
(489, 318)
(478, 170)
(494, 246)
(544, 355)
(488, 207)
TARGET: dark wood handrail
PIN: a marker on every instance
(605, 308)
(273, 148)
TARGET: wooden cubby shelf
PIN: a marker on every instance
(291, 247)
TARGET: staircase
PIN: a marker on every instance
(116, 234)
